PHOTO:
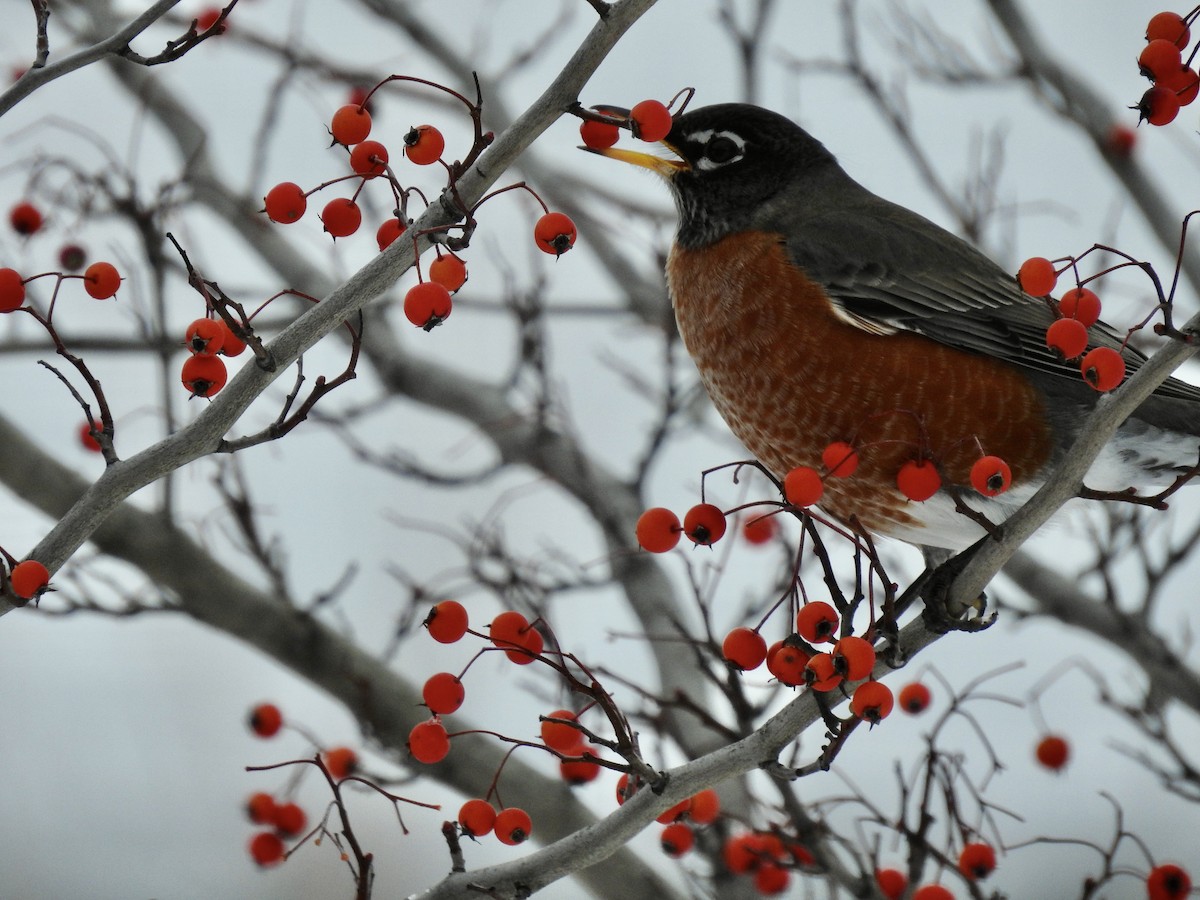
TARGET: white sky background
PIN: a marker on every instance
(123, 740)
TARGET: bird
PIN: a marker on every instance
(817, 312)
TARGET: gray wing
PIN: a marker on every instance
(914, 276)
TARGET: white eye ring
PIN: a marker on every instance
(704, 138)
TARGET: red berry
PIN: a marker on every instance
(341, 217)
(1159, 58)
(231, 344)
(1185, 83)
(86, 437)
(1168, 882)
(423, 145)
(358, 96)
(740, 854)
(816, 622)
(802, 486)
(760, 529)
(1081, 304)
(1158, 106)
(290, 819)
(427, 305)
(101, 280)
(787, 663)
(1037, 276)
(266, 848)
(1103, 368)
(443, 693)
(476, 817)
(208, 18)
(892, 883)
(25, 219)
(650, 121)
(532, 644)
(1068, 337)
(840, 459)
(745, 648)
(677, 839)
(205, 337)
(203, 376)
(853, 657)
(872, 701)
(675, 813)
(932, 892)
(266, 720)
(554, 233)
(261, 808)
(771, 879)
(598, 135)
(285, 203)
(705, 807)
(801, 855)
(369, 159)
(512, 632)
(12, 290)
(350, 125)
(449, 271)
(576, 772)
(1169, 26)
(1120, 141)
(991, 475)
(428, 742)
(1053, 751)
(658, 530)
(508, 629)
(388, 232)
(820, 673)
(513, 826)
(341, 762)
(976, 861)
(29, 578)
(915, 698)
(626, 788)
(918, 479)
(704, 524)
(560, 737)
(447, 622)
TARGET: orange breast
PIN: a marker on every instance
(789, 377)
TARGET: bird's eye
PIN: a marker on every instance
(722, 149)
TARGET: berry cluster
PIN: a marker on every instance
(792, 661)
(576, 746)
(767, 856)
(976, 861)
(659, 529)
(101, 280)
(1175, 80)
(917, 479)
(282, 820)
(649, 120)
(1079, 309)
(428, 303)
(429, 742)
(203, 372)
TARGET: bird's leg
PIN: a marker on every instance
(943, 612)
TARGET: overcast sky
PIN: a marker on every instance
(123, 739)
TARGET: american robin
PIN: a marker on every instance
(818, 312)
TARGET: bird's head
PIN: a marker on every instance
(731, 164)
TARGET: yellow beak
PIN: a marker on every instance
(664, 167)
